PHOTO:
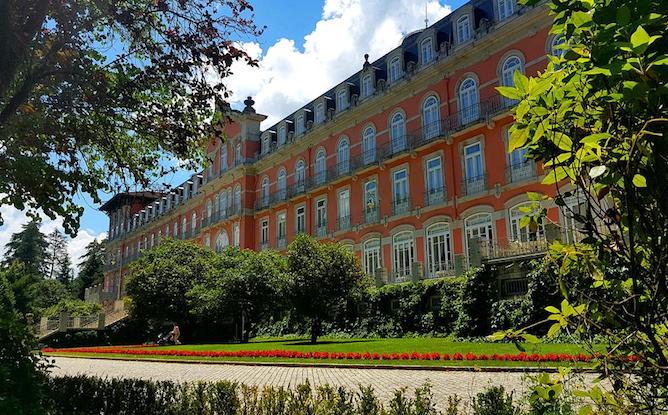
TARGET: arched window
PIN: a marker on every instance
(175, 232)
(556, 47)
(367, 85)
(237, 198)
(394, 69)
(469, 110)
(300, 175)
(281, 183)
(319, 113)
(510, 65)
(341, 100)
(369, 145)
(222, 241)
(371, 255)
(398, 133)
(320, 167)
(209, 210)
(463, 29)
(184, 227)
(223, 158)
(343, 156)
(222, 204)
(478, 226)
(518, 231)
(282, 135)
(264, 191)
(193, 224)
(236, 235)
(266, 142)
(439, 249)
(431, 119)
(403, 248)
(300, 127)
(427, 51)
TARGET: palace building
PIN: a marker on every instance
(405, 161)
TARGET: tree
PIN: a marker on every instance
(56, 258)
(64, 272)
(325, 276)
(597, 119)
(158, 282)
(27, 247)
(245, 284)
(44, 294)
(91, 268)
(20, 280)
(95, 93)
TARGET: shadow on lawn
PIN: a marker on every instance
(320, 343)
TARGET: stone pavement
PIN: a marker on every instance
(466, 384)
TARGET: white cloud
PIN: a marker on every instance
(14, 220)
(287, 77)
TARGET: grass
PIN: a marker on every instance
(409, 345)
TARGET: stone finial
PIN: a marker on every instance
(366, 61)
(249, 105)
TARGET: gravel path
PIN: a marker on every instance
(466, 384)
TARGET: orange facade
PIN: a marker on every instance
(405, 163)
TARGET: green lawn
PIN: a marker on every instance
(409, 345)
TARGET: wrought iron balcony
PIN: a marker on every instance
(435, 197)
(401, 206)
(296, 188)
(521, 171)
(281, 242)
(370, 215)
(343, 223)
(474, 185)
(321, 229)
(262, 202)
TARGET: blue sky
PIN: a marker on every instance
(307, 48)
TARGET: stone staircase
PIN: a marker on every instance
(47, 327)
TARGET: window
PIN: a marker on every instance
(371, 255)
(207, 240)
(473, 169)
(369, 145)
(176, 230)
(237, 153)
(321, 217)
(367, 85)
(506, 8)
(209, 169)
(398, 133)
(431, 118)
(300, 175)
(435, 185)
(510, 66)
(152, 240)
(478, 226)
(403, 248)
(519, 231)
(223, 158)
(266, 142)
(401, 200)
(184, 227)
(371, 211)
(574, 207)
(344, 209)
(299, 125)
(463, 29)
(222, 204)
(427, 51)
(264, 192)
(394, 69)
(281, 229)
(282, 135)
(193, 224)
(320, 167)
(167, 230)
(343, 156)
(237, 235)
(439, 249)
(320, 113)
(264, 233)
(469, 110)
(222, 241)
(557, 48)
(281, 183)
(341, 100)
(300, 220)
(519, 167)
(209, 210)
(237, 198)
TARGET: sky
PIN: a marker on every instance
(308, 47)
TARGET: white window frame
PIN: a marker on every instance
(343, 206)
(321, 214)
(398, 132)
(479, 225)
(438, 249)
(264, 232)
(427, 51)
(506, 8)
(300, 219)
(367, 85)
(282, 135)
(469, 100)
(222, 241)
(300, 174)
(319, 113)
(400, 191)
(403, 255)
(281, 227)
(369, 145)
(464, 28)
(431, 117)
(342, 100)
(236, 234)
(300, 126)
(343, 156)
(394, 70)
(320, 166)
(372, 255)
(264, 190)
(522, 234)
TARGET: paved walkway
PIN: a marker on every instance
(384, 381)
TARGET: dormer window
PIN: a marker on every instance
(506, 8)
(342, 100)
(394, 69)
(320, 113)
(266, 144)
(299, 125)
(427, 50)
(463, 29)
(367, 85)
(282, 135)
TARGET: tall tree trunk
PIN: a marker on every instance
(315, 329)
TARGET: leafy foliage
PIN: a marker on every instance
(597, 120)
(94, 93)
(57, 262)
(324, 276)
(73, 307)
(91, 268)
(45, 294)
(28, 247)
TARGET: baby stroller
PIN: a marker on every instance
(165, 339)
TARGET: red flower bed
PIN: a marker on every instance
(293, 354)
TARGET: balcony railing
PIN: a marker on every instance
(474, 185)
(508, 248)
(262, 202)
(281, 242)
(296, 188)
(435, 197)
(343, 223)
(371, 215)
(440, 268)
(401, 206)
(521, 171)
(321, 229)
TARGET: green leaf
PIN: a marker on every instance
(521, 81)
(554, 329)
(599, 71)
(518, 139)
(639, 180)
(552, 309)
(593, 140)
(596, 171)
(639, 37)
(561, 140)
(509, 92)
(530, 338)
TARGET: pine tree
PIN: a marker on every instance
(64, 271)
(27, 247)
(91, 268)
(56, 254)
